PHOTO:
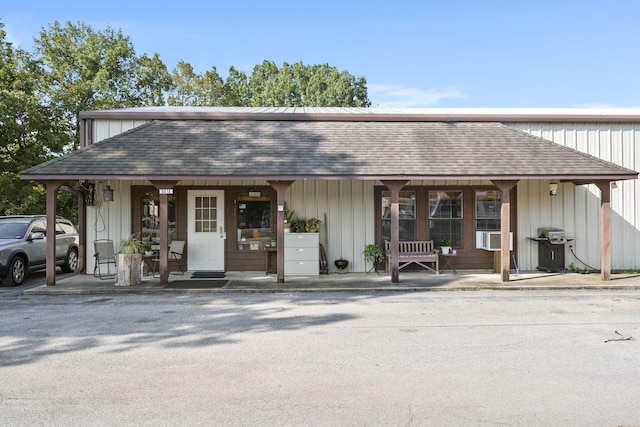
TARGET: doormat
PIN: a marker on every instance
(196, 284)
(207, 275)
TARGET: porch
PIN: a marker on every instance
(256, 282)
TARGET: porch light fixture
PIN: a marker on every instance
(107, 194)
(553, 188)
(254, 193)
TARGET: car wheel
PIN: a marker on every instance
(71, 263)
(17, 272)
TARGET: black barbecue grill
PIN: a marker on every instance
(551, 249)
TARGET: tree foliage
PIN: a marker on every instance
(292, 85)
(29, 131)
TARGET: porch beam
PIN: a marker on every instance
(505, 226)
(395, 187)
(605, 229)
(163, 188)
(280, 187)
(50, 263)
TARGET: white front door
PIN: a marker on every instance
(205, 230)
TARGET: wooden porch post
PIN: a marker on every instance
(164, 188)
(605, 229)
(50, 265)
(395, 187)
(280, 187)
(82, 230)
(505, 227)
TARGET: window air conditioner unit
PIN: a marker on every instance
(490, 240)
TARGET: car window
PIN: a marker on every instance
(64, 228)
(39, 226)
(12, 230)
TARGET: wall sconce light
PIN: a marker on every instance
(553, 188)
(107, 194)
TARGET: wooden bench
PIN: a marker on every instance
(419, 252)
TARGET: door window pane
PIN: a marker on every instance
(445, 217)
(407, 216)
(206, 214)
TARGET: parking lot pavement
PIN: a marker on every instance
(487, 357)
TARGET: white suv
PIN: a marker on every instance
(23, 246)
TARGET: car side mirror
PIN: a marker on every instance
(38, 235)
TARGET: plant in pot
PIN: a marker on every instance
(147, 247)
(129, 261)
(445, 245)
(374, 254)
(288, 218)
(298, 225)
(130, 245)
(312, 225)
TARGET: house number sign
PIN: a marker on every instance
(166, 191)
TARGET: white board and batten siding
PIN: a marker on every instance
(576, 209)
(346, 211)
(103, 129)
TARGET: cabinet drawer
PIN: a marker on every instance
(301, 240)
(301, 268)
(298, 254)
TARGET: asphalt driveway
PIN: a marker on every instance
(482, 358)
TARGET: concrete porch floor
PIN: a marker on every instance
(353, 282)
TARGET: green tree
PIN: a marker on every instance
(237, 89)
(185, 82)
(211, 89)
(29, 131)
(293, 85)
(153, 80)
(305, 85)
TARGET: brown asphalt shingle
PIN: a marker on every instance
(184, 149)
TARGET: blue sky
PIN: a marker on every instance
(440, 54)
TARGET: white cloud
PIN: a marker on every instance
(405, 97)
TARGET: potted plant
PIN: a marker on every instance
(298, 225)
(312, 225)
(129, 262)
(445, 245)
(288, 218)
(130, 245)
(374, 254)
(147, 247)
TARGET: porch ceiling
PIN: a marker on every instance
(325, 150)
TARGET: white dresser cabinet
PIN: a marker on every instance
(301, 254)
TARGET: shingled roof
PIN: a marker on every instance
(282, 149)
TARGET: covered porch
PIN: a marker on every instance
(282, 149)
